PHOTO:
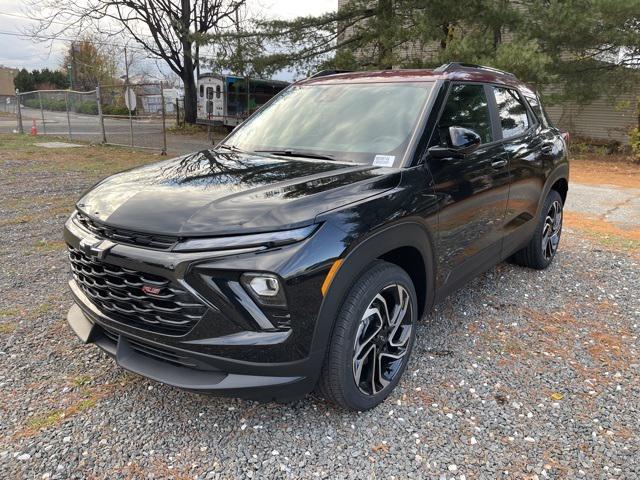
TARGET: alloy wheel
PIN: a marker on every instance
(382, 339)
(551, 230)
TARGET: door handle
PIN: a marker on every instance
(499, 163)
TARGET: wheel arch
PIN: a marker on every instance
(561, 186)
(401, 244)
(557, 180)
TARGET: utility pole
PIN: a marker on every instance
(126, 92)
(72, 77)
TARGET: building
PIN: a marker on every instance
(6, 81)
(605, 120)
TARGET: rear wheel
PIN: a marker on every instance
(542, 248)
(372, 339)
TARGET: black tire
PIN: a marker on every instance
(537, 254)
(353, 331)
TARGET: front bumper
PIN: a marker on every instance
(229, 351)
(178, 368)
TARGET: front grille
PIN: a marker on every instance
(117, 292)
(160, 242)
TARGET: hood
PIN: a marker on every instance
(219, 193)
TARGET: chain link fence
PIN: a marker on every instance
(129, 115)
(134, 115)
(8, 104)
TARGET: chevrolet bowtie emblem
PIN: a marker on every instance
(96, 247)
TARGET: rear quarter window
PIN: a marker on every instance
(537, 109)
(514, 118)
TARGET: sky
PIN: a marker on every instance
(19, 52)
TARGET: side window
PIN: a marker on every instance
(534, 103)
(512, 112)
(466, 107)
(201, 90)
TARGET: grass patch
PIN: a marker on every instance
(55, 417)
(81, 381)
(48, 245)
(8, 328)
(187, 129)
(40, 310)
(100, 160)
(45, 420)
(9, 312)
(82, 401)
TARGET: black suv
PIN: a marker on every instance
(302, 251)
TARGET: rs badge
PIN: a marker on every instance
(150, 290)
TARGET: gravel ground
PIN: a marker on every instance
(521, 374)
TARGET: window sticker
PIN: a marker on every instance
(384, 160)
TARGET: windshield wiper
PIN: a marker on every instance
(297, 153)
(233, 148)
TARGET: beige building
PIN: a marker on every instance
(6, 80)
(602, 121)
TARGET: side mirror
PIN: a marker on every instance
(463, 139)
(460, 141)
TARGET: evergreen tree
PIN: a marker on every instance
(584, 48)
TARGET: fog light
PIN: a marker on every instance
(265, 288)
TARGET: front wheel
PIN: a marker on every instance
(542, 248)
(372, 339)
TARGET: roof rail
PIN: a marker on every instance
(446, 67)
(324, 73)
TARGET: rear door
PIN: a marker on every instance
(524, 144)
(473, 188)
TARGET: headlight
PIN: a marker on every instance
(270, 239)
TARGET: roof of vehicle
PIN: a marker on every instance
(449, 71)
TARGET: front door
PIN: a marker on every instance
(473, 189)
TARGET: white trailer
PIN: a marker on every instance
(227, 100)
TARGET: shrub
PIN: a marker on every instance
(54, 104)
(634, 141)
(88, 108)
(116, 110)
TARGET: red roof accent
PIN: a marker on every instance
(423, 75)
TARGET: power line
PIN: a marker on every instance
(55, 38)
(25, 17)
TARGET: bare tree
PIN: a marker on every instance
(170, 30)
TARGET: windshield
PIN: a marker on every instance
(363, 123)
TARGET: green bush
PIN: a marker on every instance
(115, 110)
(53, 104)
(88, 108)
(634, 140)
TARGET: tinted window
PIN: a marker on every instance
(537, 109)
(466, 107)
(512, 112)
(202, 90)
